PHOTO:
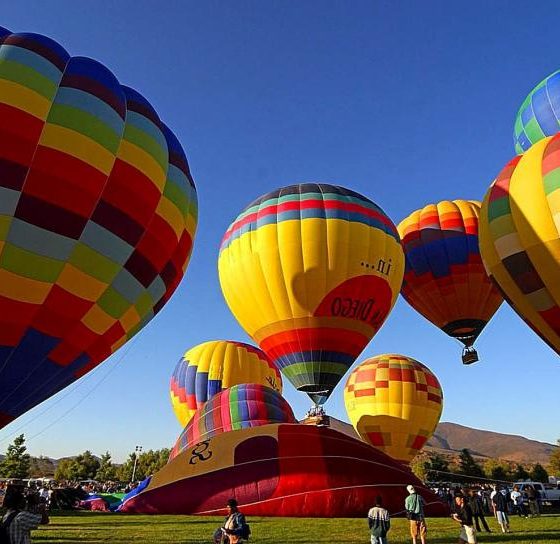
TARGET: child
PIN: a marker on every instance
(379, 522)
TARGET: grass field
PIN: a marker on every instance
(91, 527)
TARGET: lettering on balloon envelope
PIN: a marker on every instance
(364, 298)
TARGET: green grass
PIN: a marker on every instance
(92, 528)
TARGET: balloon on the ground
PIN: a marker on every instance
(539, 114)
(394, 402)
(444, 279)
(212, 366)
(238, 407)
(519, 238)
(311, 272)
(98, 212)
(280, 470)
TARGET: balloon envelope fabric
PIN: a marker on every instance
(520, 240)
(212, 366)
(539, 114)
(239, 407)
(311, 272)
(394, 402)
(444, 277)
(98, 212)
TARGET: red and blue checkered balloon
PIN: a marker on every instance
(98, 211)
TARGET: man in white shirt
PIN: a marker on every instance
(517, 498)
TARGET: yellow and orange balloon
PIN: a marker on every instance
(394, 402)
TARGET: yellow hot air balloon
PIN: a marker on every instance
(205, 370)
(311, 271)
(519, 237)
(394, 402)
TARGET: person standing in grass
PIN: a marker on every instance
(499, 503)
(475, 502)
(517, 498)
(464, 516)
(414, 506)
(379, 522)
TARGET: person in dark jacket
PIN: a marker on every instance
(234, 528)
(475, 502)
(379, 522)
(499, 503)
(464, 516)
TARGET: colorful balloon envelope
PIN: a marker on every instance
(539, 114)
(212, 366)
(239, 407)
(98, 212)
(444, 278)
(311, 272)
(519, 238)
(394, 402)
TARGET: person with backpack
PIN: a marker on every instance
(235, 529)
(379, 522)
(18, 522)
(414, 506)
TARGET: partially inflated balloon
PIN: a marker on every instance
(444, 278)
(239, 407)
(519, 237)
(311, 272)
(539, 114)
(212, 366)
(394, 403)
(97, 217)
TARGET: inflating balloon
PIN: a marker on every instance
(97, 217)
(538, 115)
(239, 407)
(212, 366)
(444, 277)
(519, 238)
(394, 403)
(311, 272)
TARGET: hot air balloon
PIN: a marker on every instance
(238, 407)
(212, 366)
(394, 403)
(311, 272)
(444, 277)
(98, 212)
(519, 237)
(538, 115)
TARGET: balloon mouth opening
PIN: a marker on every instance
(469, 356)
(318, 395)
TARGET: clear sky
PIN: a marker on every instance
(405, 102)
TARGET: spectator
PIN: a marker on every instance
(23, 516)
(379, 522)
(499, 503)
(414, 506)
(517, 498)
(475, 502)
(235, 529)
(464, 516)
(533, 498)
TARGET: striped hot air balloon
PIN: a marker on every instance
(539, 114)
(394, 402)
(239, 407)
(311, 272)
(444, 279)
(212, 366)
(98, 212)
(519, 237)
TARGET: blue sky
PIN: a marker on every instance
(405, 102)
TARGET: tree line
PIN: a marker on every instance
(17, 463)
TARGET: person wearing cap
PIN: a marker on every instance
(464, 516)
(414, 506)
(234, 528)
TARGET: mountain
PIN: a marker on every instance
(450, 438)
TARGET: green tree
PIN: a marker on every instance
(17, 463)
(468, 466)
(554, 461)
(420, 466)
(148, 463)
(520, 473)
(496, 469)
(81, 467)
(106, 471)
(65, 470)
(539, 474)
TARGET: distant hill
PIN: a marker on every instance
(451, 438)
